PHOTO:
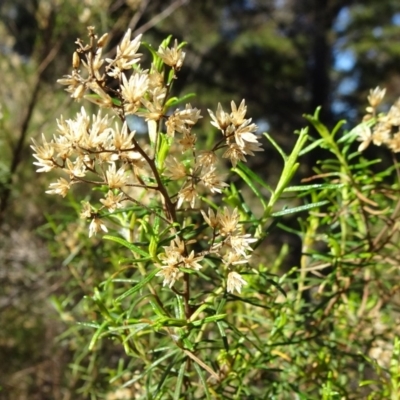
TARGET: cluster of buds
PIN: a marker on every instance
(386, 126)
(104, 151)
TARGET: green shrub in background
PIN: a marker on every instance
(174, 305)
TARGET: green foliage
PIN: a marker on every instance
(310, 329)
(306, 332)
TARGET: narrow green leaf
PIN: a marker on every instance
(88, 325)
(337, 127)
(206, 320)
(157, 62)
(161, 359)
(171, 77)
(179, 307)
(179, 382)
(139, 286)
(163, 150)
(275, 284)
(125, 243)
(139, 326)
(313, 187)
(222, 332)
(276, 145)
(221, 304)
(319, 126)
(165, 321)
(203, 380)
(250, 184)
(312, 146)
(252, 175)
(132, 261)
(99, 302)
(163, 389)
(162, 381)
(97, 334)
(157, 308)
(174, 101)
(299, 209)
(369, 382)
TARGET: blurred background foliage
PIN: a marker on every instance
(285, 57)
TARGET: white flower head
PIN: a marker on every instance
(221, 119)
(60, 187)
(170, 274)
(112, 201)
(174, 168)
(364, 136)
(115, 179)
(172, 56)
(211, 219)
(126, 55)
(96, 226)
(235, 282)
(376, 96)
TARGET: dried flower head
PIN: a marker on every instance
(112, 201)
(376, 96)
(228, 222)
(211, 219)
(182, 120)
(211, 180)
(220, 119)
(96, 226)
(115, 178)
(126, 55)
(239, 132)
(172, 56)
(170, 274)
(235, 282)
(44, 155)
(86, 211)
(192, 261)
(174, 168)
(382, 129)
(187, 193)
(364, 136)
(133, 90)
(60, 187)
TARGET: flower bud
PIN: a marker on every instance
(79, 92)
(75, 60)
(102, 41)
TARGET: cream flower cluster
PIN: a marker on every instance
(227, 242)
(102, 150)
(238, 132)
(386, 127)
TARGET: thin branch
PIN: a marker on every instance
(17, 156)
(162, 15)
(138, 14)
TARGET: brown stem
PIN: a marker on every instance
(151, 211)
(170, 207)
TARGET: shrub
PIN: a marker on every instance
(177, 306)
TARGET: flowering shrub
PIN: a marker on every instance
(196, 315)
(95, 151)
